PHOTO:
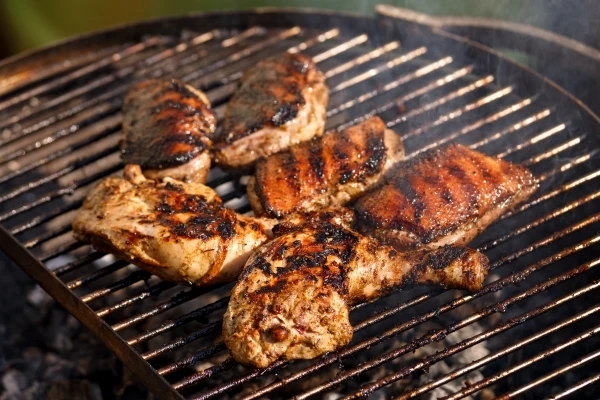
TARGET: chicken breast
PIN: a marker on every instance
(292, 299)
(326, 171)
(281, 102)
(443, 197)
(168, 128)
(178, 231)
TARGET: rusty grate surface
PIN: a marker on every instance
(537, 317)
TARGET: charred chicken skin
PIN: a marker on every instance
(292, 299)
(178, 231)
(327, 171)
(443, 197)
(168, 128)
(281, 102)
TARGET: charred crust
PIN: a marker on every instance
(467, 184)
(309, 260)
(315, 158)
(339, 153)
(376, 149)
(209, 219)
(276, 287)
(271, 94)
(167, 129)
(444, 256)
(345, 176)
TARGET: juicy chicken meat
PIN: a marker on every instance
(292, 299)
(327, 171)
(168, 128)
(178, 231)
(443, 197)
(281, 102)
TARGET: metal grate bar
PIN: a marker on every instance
(534, 140)
(439, 83)
(486, 382)
(538, 222)
(459, 112)
(514, 128)
(114, 96)
(132, 278)
(390, 86)
(516, 232)
(575, 388)
(372, 55)
(491, 287)
(191, 316)
(565, 167)
(440, 100)
(65, 228)
(64, 171)
(14, 84)
(455, 135)
(495, 356)
(560, 371)
(209, 328)
(176, 300)
(83, 261)
(360, 83)
(88, 69)
(187, 362)
(432, 359)
(379, 69)
(320, 38)
(152, 291)
(547, 196)
(97, 274)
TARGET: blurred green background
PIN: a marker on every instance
(26, 24)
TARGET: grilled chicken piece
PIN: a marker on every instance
(281, 102)
(177, 231)
(327, 171)
(168, 128)
(443, 197)
(292, 299)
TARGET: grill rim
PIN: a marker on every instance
(36, 269)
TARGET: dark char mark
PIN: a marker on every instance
(315, 159)
(208, 220)
(376, 147)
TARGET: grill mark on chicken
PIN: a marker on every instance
(327, 171)
(166, 124)
(376, 148)
(178, 231)
(411, 208)
(270, 95)
(465, 182)
(297, 306)
(290, 171)
(315, 159)
(168, 127)
(281, 102)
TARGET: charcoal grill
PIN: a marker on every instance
(433, 82)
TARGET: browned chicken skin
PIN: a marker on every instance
(443, 197)
(168, 127)
(281, 102)
(326, 171)
(178, 231)
(292, 299)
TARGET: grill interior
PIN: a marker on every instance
(529, 332)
